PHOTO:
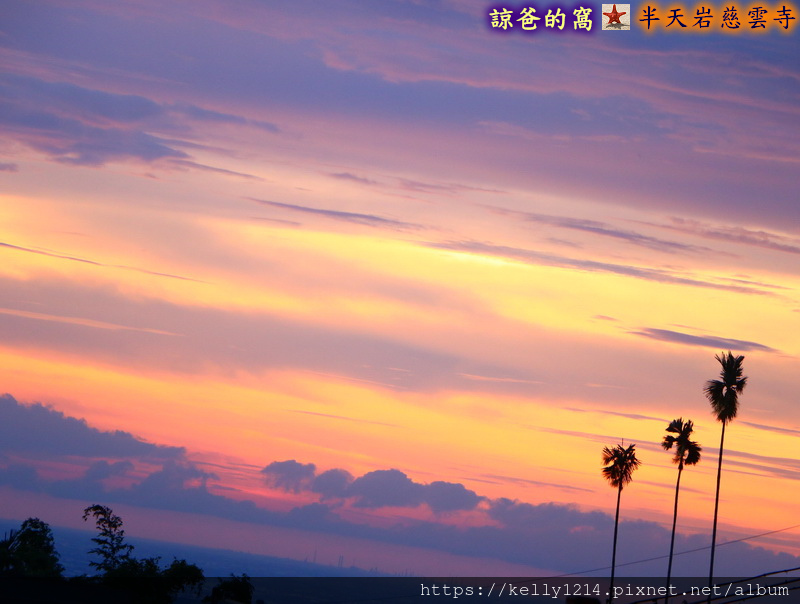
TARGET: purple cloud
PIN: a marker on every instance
(604, 229)
(376, 489)
(667, 335)
(290, 475)
(566, 539)
(36, 429)
(332, 483)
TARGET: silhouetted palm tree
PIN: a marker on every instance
(723, 394)
(620, 462)
(687, 453)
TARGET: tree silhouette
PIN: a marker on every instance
(723, 394)
(181, 575)
(235, 589)
(687, 453)
(148, 582)
(620, 462)
(144, 578)
(30, 551)
(111, 546)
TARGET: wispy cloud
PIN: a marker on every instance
(501, 380)
(418, 186)
(785, 467)
(344, 418)
(603, 229)
(354, 178)
(81, 321)
(498, 478)
(413, 186)
(600, 438)
(94, 262)
(370, 220)
(617, 413)
(547, 259)
(185, 163)
(221, 337)
(777, 429)
(667, 335)
(278, 221)
(201, 113)
(734, 234)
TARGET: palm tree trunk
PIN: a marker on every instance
(716, 510)
(614, 550)
(674, 525)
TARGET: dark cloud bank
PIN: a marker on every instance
(39, 430)
(549, 535)
(89, 127)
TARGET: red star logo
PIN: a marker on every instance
(613, 16)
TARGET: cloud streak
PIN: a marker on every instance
(80, 321)
(603, 229)
(353, 178)
(344, 418)
(677, 337)
(617, 414)
(498, 478)
(61, 256)
(370, 220)
(547, 259)
(777, 429)
(734, 234)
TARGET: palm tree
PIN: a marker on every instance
(687, 453)
(620, 462)
(723, 394)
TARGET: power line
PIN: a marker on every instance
(749, 596)
(788, 528)
(688, 551)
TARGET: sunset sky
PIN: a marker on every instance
(373, 279)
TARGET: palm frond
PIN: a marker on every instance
(693, 453)
(723, 394)
(687, 451)
(620, 463)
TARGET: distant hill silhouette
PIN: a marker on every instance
(72, 545)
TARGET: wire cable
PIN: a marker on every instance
(688, 551)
